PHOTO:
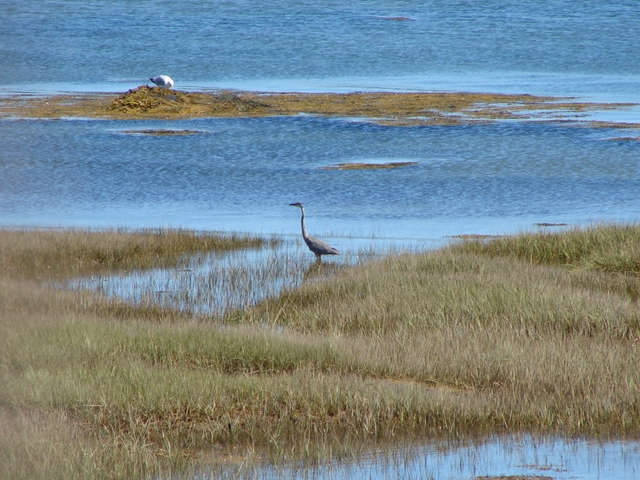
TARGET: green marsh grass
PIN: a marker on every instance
(51, 253)
(533, 333)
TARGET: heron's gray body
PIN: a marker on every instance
(317, 246)
(163, 81)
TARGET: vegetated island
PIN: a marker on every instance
(394, 109)
(537, 333)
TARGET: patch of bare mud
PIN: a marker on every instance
(624, 139)
(163, 132)
(368, 166)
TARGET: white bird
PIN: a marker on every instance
(162, 81)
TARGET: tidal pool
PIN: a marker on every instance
(215, 283)
(513, 457)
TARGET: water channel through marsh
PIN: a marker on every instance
(214, 284)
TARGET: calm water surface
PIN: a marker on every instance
(501, 457)
(553, 46)
(241, 174)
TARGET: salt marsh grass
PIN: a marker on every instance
(51, 253)
(476, 338)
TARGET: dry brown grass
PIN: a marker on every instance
(535, 333)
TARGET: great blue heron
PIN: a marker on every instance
(316, 245)
(163, 81)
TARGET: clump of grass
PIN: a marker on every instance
(606, 257)
(45, 254)
(610, 248)
(474, 339)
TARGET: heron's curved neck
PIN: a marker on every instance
(304, 228)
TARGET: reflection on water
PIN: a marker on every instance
(501, 457)
(215, 283)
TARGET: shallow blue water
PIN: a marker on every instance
(557, 46)
(500, 457)
(242, 174)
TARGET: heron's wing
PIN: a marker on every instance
(320, 246)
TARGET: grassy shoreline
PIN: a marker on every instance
(535, 333)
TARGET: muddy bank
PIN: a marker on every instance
(396, 109)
